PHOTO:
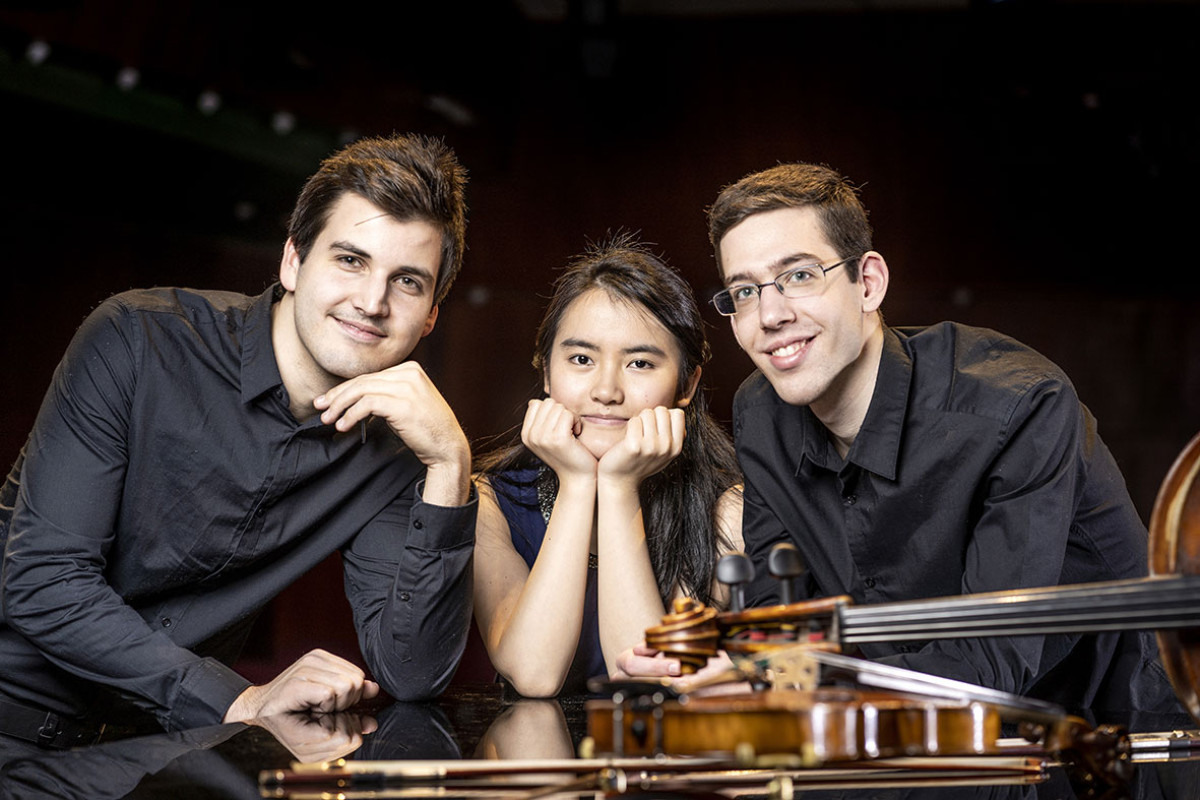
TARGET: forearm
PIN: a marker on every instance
(411, 595)
(57, 593)
(79, 624)
(532, 641)
(629, 599)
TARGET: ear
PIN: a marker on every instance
(873, 276)
(430, 321)
(289, 266)
(690, 390)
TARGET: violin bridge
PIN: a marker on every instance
(791, 668)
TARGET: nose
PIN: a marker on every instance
(607, 388)
(371, 295)
(773, 308)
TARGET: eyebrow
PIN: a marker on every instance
(348, 247)
(776, 267)
(583, 344)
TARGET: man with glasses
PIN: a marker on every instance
(915, 462)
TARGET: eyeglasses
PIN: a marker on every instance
(803, 281)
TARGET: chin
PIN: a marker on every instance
(794, 393)
(598, 447)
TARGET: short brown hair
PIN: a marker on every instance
(841, 214)
(410, 177)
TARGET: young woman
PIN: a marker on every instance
(622, 491)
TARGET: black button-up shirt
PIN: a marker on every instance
(976, 469)
(166, 492)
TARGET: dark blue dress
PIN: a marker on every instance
(516, 493)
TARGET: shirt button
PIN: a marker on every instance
(850, 499)
(166, 622)
(870, 582)
(418, 524)
(405, 596)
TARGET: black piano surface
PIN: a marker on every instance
(471, 722)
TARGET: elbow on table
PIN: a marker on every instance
(414, 680)
(532, 682)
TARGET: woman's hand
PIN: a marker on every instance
(713, 678)
(652, 440)
(550, 431)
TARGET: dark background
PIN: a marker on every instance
(1029, 166)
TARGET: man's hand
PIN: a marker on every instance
(414, 408)
(320, 737)
(318, 682)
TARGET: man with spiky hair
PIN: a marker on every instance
(198, 451)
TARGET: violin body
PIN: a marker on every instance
(814, 727)
(1175, 550)
(819, 726)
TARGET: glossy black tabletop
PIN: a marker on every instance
(469, 724)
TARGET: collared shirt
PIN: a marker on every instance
(976, 469)
(166, 492)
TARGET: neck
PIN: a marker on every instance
(844, 406)
(302, 388)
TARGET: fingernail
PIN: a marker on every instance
(673, 669)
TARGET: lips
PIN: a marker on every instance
(604, 421)
(789, 354)
(360, 331)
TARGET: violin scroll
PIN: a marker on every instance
(689, 633)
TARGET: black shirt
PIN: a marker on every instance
(166, 492)
(976, 469)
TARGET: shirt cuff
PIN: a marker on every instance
(433, 527)
(205, 695)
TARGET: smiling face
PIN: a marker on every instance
(610, 360)
(815, 351)
(359, 302)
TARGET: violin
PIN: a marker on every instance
(1167, 601)
(816, 726)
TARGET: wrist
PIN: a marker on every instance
(448, 483)
(244, 707)
(618, 482)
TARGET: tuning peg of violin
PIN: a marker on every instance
(735, 570)
(785, 564)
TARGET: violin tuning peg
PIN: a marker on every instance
(735, 570)
(785, 564)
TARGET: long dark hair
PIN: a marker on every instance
(679, 503)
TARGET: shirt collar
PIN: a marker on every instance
(260, 372)
(876, 448)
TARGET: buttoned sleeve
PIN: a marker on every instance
(55, 591)
(408, 578)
